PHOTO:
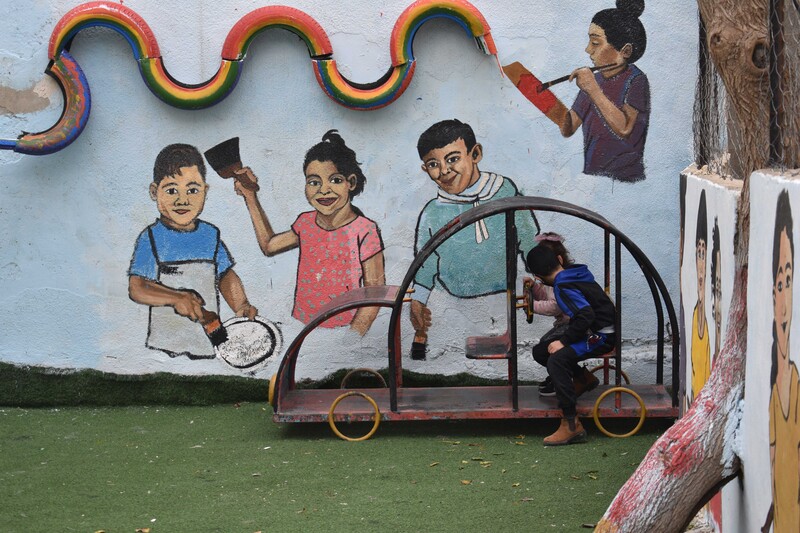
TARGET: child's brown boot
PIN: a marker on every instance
(585, 381)
(569, 432)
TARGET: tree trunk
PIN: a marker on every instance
(694, 456)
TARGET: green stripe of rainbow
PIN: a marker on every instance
(148, 56)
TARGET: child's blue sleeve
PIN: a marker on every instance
(143, 262)
(224, 260)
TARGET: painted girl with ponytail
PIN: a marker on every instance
(340, 249)
(613, 106)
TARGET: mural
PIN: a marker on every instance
(277, 110)
(340, 248)
(707, 276)
(613, 105)
(700, 347)
(180, 266)
(784, 398)
(450, 155)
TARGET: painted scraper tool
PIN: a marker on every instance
(225, 160)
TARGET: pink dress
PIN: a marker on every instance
(330, 264)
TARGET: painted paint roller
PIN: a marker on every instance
(225, 160)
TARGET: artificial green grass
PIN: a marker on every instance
(229, 468)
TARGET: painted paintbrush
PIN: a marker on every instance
(224, 159)
(546, 85)
(213, 327)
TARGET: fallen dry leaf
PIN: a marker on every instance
(466, 482)
(434, 463)
(527, 499)
(520, 443)
(520, 437)
(575, 477)
(143, 530)
(592, 476)
(515, 484)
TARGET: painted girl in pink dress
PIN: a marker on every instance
(340, 249)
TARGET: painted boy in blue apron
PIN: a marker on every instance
(180, 264)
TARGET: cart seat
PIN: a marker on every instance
(495, 347)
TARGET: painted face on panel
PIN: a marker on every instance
(700, 257)
(453, 167)
(180, 198)
(327, 190)
(602, 53)
(782, 295)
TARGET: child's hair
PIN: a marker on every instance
(333, 149)
(555, 242)
(175, 156)
(443, 133)
(622, 26)
(541, 261)
(702, 223)
(783, 222)
(714, 252)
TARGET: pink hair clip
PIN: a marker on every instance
(549, 236)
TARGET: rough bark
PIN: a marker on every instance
(695, 455)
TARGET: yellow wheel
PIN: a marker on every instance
(619, 391)
(332, 422)
(362, 371)
(612, 367)
(271, 396)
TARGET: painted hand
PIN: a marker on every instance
(244, 182)
(190, 305)
(420, 316)
(247, 310)
(554, 346)
(584, 79)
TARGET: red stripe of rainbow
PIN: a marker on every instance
(289, 18)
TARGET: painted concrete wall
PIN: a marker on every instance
(766, 304)
(745, 507)
(69, 220)
(717, 221)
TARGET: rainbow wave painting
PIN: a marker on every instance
(77, 102)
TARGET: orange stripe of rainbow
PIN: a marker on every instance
(294, 20)
(115, 16)
(185, 96)
(421, 11)
(363, 97)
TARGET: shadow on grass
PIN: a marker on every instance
(463, 429)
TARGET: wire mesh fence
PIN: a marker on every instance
(716, 141)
